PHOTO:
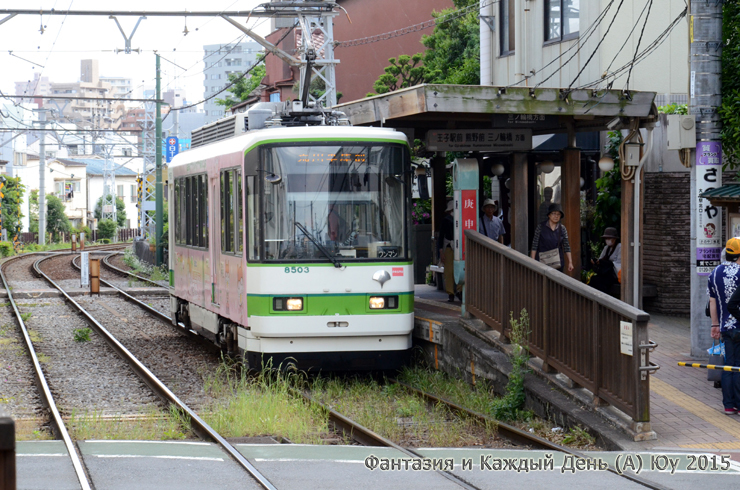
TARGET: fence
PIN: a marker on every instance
(574, 329)
(124, 234)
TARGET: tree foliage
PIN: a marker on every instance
(11, 205)
(56, 219)
(120, 210)
(33, 204)
(243, 86)
(106, 228)
(730, 109)
(608, 210)
(452, 55)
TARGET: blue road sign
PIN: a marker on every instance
(173, 148)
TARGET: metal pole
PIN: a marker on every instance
(158, 215)
(42, 178)
(705, 36)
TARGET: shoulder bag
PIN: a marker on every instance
(552, 257)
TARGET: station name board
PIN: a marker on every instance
(479, 140)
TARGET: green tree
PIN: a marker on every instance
(608, 210)
(11, 205)
(33, 219)
(106, 228)
(453, 48)
(452, 55)
(120, 210)
(243, 86)
(730, 109)
(56, 220)
(406, 71)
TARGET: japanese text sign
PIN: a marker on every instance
(479, 140)
(709, 218)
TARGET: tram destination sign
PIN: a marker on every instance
(479, 140)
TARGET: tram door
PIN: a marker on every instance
(214, 204)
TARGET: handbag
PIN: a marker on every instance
(716, 358)
(551, 258)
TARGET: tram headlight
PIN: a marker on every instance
(287, 304)
(377, 302)
(294, 304)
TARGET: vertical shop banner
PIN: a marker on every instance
(465, 219)
(709, 218)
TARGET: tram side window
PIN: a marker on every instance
(204, 211)
(188, 211)
(253, 230)
(177, 210)
(232, 228)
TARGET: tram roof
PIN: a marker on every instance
(242, 143)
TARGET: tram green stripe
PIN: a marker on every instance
(329, 304)
(283, 265)
(324, 140)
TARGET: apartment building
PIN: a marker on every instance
(221, 60)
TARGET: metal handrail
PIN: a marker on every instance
(559, 278)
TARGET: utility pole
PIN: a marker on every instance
(705, 36)
(42, 177)
(159, 201)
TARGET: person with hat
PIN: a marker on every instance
(722, 286)
(550, 243)
(489, 224)
(446, 248)
(609, 264)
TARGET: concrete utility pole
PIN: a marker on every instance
(42, 177)
(705, 35)
(158, 191)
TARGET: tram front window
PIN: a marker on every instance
(347, 202)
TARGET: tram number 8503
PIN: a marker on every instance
(296, 270)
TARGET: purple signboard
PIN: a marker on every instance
(709, 218)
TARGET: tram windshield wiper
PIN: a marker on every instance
(318, 244)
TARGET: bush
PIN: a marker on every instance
(106, 228)
(105, 241)
(84, 229)
(6, 249)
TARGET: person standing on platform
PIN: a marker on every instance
(550, 243)
(489, 224)
(609, 264)
(723, 308)
(446, 248)
(542, 210)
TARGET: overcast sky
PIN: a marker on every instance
(66, 41)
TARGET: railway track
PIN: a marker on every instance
(200, 427)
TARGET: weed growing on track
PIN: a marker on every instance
(25, 317)
(152, 425)
(82, 334)
(265, 404)
(393, 412)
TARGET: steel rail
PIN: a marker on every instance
(48, 398)
(367, 437)
(204, 430)
(518, 435)
(128, 273)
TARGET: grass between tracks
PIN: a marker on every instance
(150, 425)
(265, 404)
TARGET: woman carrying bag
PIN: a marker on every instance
(550, 244)
(609, 264)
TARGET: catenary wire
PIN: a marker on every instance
(639, 41)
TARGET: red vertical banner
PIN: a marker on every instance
(469, 220)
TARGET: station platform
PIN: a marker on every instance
(686, 411)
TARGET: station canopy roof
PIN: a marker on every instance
(544, 110)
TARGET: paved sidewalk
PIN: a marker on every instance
(685, 409)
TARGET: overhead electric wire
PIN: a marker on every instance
(639, 41)
(414, 28)
(643, 54)
(596, 49)
(629, 36)
(580, 45)
(61, 26)
(236, 79)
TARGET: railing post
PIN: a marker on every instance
(546, 367)
(598, 358)
(640, 361)
(7, 451)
